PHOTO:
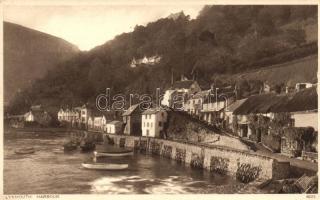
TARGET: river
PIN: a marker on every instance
(49, 172)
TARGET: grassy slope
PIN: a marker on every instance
(300, 70)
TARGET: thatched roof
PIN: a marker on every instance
(304, 100)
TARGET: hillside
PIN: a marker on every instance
(222, 40)
(299, 70)
(28, 55)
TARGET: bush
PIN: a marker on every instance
(196, 161)
(166, 151)
(219, 165)
(272, 141)
(180, 155)
(247, 173)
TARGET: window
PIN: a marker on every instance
(147, 132)
(160, 124)
(162, 114)
(146, 116)
(147, 124)
(83, 112)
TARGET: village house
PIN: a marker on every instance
(85, 113)
(90, 123)
(168, 98)
(180, 92)
(68, 115)
(229, 117)
(37, 115)
(153, 122)
(193, 105)
(114, 127)
(213, 108)
(301, 108)
(145, 60)
(132, 120)
(301, 86)
(255, 105)
(99, 123)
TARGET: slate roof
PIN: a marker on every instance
(115, 122)
(130, 110)
(235, 105)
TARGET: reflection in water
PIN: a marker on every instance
(51, 171)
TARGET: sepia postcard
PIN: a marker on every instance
(136, 99)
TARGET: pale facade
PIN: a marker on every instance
(153, 122)
(305, 119)
(29, 117)
(99, 123)
(114, 127)
(69, 115)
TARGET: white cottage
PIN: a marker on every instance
(153, 121)
(99, 123)
(114, 127)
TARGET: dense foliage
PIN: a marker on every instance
(221, 40)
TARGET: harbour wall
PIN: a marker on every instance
(215, 159)
(218, 159)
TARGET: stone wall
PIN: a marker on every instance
(214, 159)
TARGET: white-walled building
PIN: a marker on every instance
(180, 92)
(99, 123)
(153, 121)
(85, 113)
(114, 127)
(29, 117)
(168, 97)
(68, 115)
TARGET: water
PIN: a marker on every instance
(47, 171)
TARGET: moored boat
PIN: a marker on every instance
(105, 166)
(113, 154)
(87, 146)
(70, 146)
(26, 150)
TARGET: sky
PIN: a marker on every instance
(87, 26)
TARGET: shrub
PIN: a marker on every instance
(166, 151)
(143, 145)
(122, 142)
(180, 155)
(155, 148)
(196, 161)
(272, 141)
(247, 173)
(219, 165)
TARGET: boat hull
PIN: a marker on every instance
(105, 166)
(24, 151)
(112, 154)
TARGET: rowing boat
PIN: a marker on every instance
(105, 166)
(27, 150)
(112, 154)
